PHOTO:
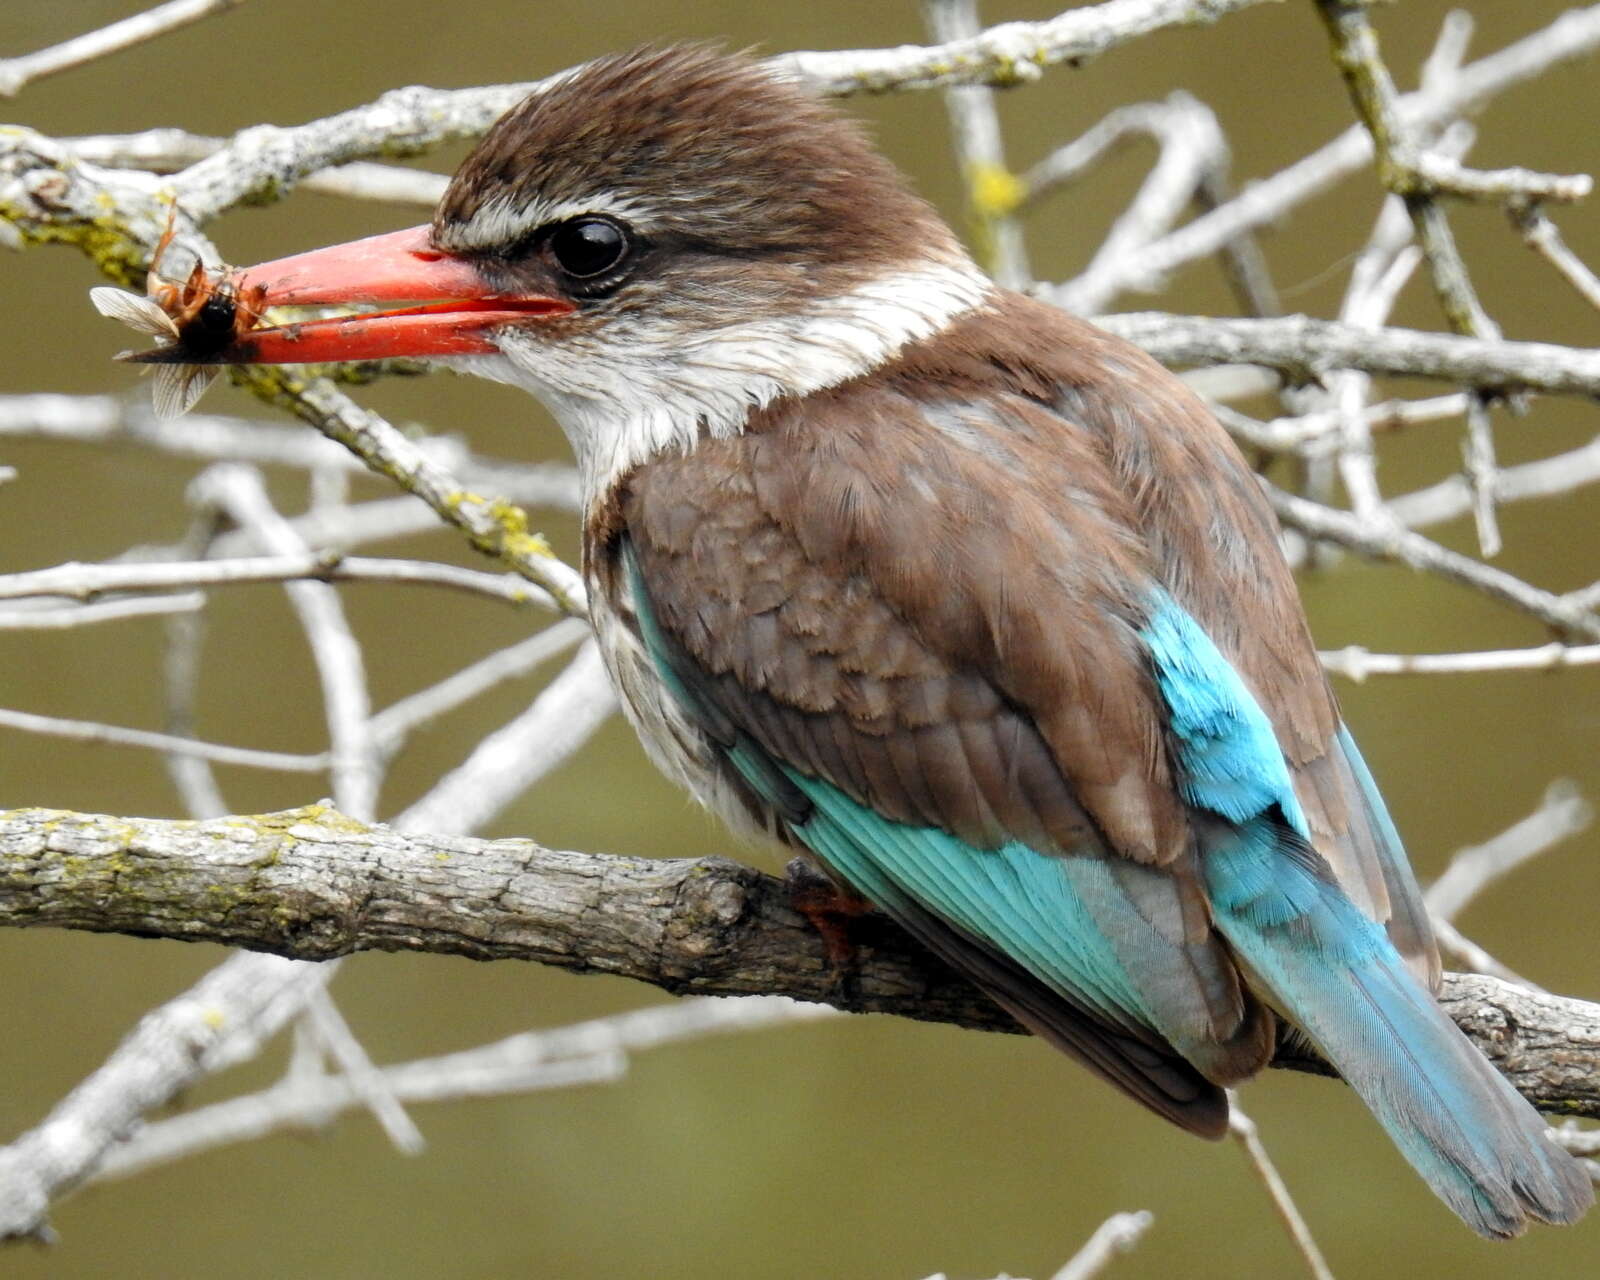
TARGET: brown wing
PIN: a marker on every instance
(1213, 541)
(844, 588)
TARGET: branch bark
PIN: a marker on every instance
(312, 884)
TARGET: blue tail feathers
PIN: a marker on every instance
(1333, 972)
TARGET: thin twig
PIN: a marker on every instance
(224, 1017)
(1573, 35)
(509, 761)
(1319, 429)
(1473, 958)
(117, 735)
(169, 150)
(1482, 472)
(84, 615)
(1356, 663)
(1544, 238)
(1304, 348)
(993, 191)
(1243, 1129)
(1192, 158)
(1006, 55)
(368, 1083)
(215, 438)
(1384, 541)
(1118, 1234)
(15, 73)
(1381, 271)
(594, 1052)
(399, 720)
(495, 526)
(391, 726)
(356, 768)
(1541, 478)
(1562, 814)
(1578, 1140)
(268, 161)
(181, 666)
(88, 581)
(1355, 49)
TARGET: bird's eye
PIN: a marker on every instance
(588, 247)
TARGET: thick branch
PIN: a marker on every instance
(312, 884)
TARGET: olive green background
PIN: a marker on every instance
(857, 1148)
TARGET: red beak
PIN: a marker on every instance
(453, 308)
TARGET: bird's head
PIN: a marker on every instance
(655, 245)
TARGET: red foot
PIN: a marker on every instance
(830, 908)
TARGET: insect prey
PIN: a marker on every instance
(199, 318)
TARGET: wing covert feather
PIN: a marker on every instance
(854, 611)
(833, 682)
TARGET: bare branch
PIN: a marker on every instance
(1385, 541)
(314, 884)
(214, 438)
(91, 731)
(1243, 1129)
(1541, 478)
(15, 73)
(391, 726)
(1455, 945)
(509, 761)
(62, 619)
(1355, 663)
(1544, 238)
(267, 161)
(1562, 814)
(398, 721)
(367, 1083)
(1304, 348)
(1321, 429)
(168, 150)
(591, 1052)
(1517, 185)
(1571, 36)
(994, 193)
(1355, 47)
(178, 1043)
(1579, 1141)
(1116, 1235)
(494, 526)
(1010, 54)
(88, 581)
(356, 764)
(182, 665)
(1193, 158)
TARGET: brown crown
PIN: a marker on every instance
(713, 147)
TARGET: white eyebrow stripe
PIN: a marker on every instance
(499, 222)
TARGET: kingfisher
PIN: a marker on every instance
(972, 603)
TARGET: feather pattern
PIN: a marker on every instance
(1076, 742)
(1330, 969)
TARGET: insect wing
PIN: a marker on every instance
(137, 312)
(177, 386)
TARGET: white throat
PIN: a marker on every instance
(641, 388)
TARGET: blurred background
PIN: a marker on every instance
(863, 1147)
